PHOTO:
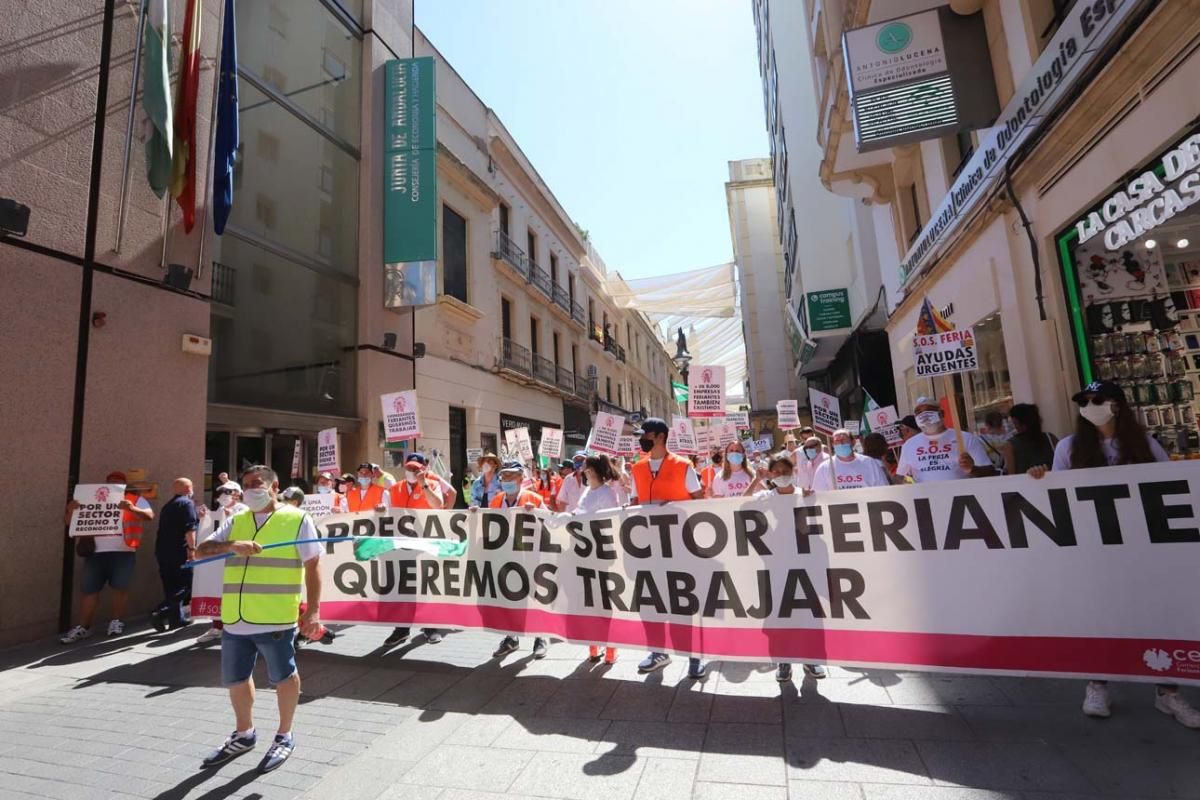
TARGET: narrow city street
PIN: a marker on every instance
(132, 717)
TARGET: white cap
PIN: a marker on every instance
(925, 401)
(229, 486)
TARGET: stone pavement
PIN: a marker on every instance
(132, 717)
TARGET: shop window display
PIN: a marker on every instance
(1135, 299)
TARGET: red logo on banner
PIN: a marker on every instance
(706, 376)
(608, 423)
(824, 402)
(399, 405)
(102, 494)
(881, 419)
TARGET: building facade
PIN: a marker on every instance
(758, 254)
(1064, 234)
(835, 287)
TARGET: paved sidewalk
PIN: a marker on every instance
(132, 717)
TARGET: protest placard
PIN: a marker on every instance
(606, 433)
(401, 421)
(628, 446)
(884, 421)
(473, 455)
(763, 444)
(99, 512)
(726, 433)
(706, 392)
(296, 458)
(518, 442)
(787, 413)
(853, 426)
(327, 451)
(826, 411)
(944, 353)
(551, 444)
(682, 438)
(739, 418)
(318, 506)
(867, 578)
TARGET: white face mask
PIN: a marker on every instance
(783, 481)
(1097, 414)
(257, 499)
(324, 490)
(929, 421)
(487, 469)
(225, 500)
(410, 476)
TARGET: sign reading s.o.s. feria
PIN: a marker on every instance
(1011, 575)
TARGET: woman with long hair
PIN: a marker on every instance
(1030, 446)
(600, 494)
(735, 477)
(1108, 434)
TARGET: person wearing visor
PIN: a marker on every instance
(513, 496)
(933, 454)
(419, 489)
(1108, 434)
(229, 502)
(663, 477)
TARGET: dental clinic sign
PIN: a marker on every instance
(1088, 28)
(1149, 200)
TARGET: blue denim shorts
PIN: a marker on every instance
(115, 569)
(239, 654)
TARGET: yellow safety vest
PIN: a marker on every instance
(264, 589)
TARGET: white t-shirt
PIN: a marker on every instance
(691, 481)
(570, 492)
(1062, 452)
(308, 552)
(862, 472)
(599, 498)
(116, 542)
(935, 458)
(734, 486)
(806, 468)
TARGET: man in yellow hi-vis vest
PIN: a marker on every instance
(259, 605)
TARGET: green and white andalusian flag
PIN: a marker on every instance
(156, 96)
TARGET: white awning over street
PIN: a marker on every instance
(708, 292)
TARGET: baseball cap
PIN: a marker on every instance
(926, 401)
(567, 465)
(416, 458)
(292, 493)
(1105, 390)
(329, 476)
(652, 425)
(368, 466)
(512, 466)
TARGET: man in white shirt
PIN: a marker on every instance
(932, 455)
(808, 458)
(848, 469)
(572, 485)
(229, 502)
(259, 608)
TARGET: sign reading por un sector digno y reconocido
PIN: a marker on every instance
(410, 196)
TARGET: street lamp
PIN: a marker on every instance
(682, 357)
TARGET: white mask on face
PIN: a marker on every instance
(929, 421)
(257, 499)
(324, 490)
(225, 500)
(1097, 414)
(783, 481)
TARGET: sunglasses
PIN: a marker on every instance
(1094, 400)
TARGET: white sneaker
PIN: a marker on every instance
(76, 634)
(1095, 700)
(1179, 708)
(116, 628)
(210, 635)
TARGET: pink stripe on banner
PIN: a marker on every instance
(1161, 659)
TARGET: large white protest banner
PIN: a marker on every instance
(327, 451)
(401, 421)
(787, 413)
(606, 433)
(1017, 579)
(99, 512)
(682, 438)
(826, 411)
(706, 392)
(551, 444)
(944, 353)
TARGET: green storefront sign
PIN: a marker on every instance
(410, 196)
(829, 310)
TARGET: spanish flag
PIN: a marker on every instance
(929, 321)
(183, 167)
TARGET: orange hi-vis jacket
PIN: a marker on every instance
(403, 495)
(668, 485)
(132, 527)
(525, 497)
(358, 500)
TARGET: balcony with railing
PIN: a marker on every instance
(614, 349)
(222, 283)
(543, 369)
(508, 252)
(578, 314)
(515, 357)
(596, 333)
(585, 387)
(540, 278)
(562, 299)
(566, 379)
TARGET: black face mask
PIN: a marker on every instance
(646, 444)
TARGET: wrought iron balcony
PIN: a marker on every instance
(562, 299)
(540, 278)
(507, 250)
(566, 380)
(610, 345)
(577, 314)
(543, 369)
(515, 357)
(585, 387)
(222, 283)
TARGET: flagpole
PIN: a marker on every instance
(129, 120)
(212, 137)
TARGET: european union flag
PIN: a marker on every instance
(228, 135)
